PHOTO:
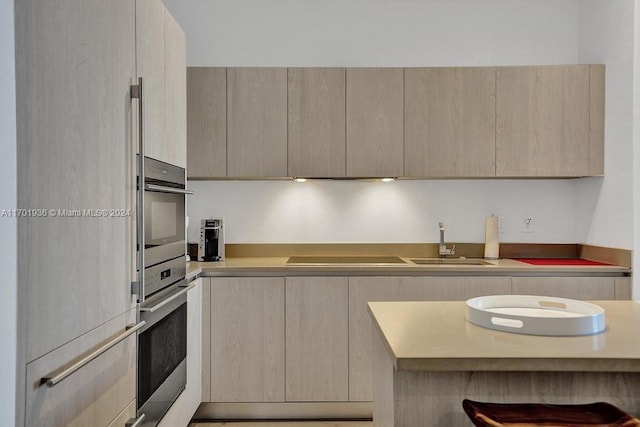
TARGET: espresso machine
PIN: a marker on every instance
(211, 246)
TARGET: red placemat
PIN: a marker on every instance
(559, 261)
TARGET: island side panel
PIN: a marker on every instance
(383, 378)
(435, 398)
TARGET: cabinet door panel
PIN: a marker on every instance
(374, 122)
(257, 122)
(206, 339)
(95, 394)
(175, 92)
(542, 121)
(206, 122)
(623, 288)
(74, 152)
(462, 288)
(361, 291)
(449, 121)
(150, 62)
(596, 116)
(247, 340)
(317, 319)
(581, 288)
(316, 122)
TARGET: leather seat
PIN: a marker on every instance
(599, 414)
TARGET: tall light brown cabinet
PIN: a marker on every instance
(77, 128)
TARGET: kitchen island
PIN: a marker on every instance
(428, 358)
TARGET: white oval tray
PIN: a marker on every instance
(536, 315)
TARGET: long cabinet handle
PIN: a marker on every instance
(135, 422)
(154, 187)
(63, 372)
(167, 300)
(137, 92)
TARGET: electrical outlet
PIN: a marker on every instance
(528, 224)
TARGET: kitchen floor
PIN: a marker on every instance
(285, 424)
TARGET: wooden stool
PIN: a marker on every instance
(538, 414)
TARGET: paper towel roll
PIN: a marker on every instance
(491, 238)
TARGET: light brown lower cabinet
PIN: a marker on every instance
(308, 339)
(582, 288)
(366, 289)
(317, 339)
(94, 395)
(247, 339)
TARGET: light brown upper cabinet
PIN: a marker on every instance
(161, 62)
(547, 123)
(206, 122)
(175, 91)
(316, 122)
(449, 122)
(256, 122)
(150, 66)
(374, 122)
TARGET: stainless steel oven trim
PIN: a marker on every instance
(154, 310)
(167, 300)
(165, 393)
(158, 171)
(154, 282)
(162, 189)
(162, 304)
(168, 251)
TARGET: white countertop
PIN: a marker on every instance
(435, 336)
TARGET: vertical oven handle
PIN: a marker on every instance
(163, 189)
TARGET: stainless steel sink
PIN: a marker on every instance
(344, 260)
(450, 261)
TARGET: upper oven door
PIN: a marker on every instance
(164, 228)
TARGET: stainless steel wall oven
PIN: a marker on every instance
(162, 288)
(162, 352)
(163, 226)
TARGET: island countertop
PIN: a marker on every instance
(435, 336)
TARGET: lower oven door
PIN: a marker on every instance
(162, 353)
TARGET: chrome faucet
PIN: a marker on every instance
(443, 251)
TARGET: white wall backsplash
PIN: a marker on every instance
(605, 205)
(422, 33)
(377, 32)
(377, 212)
(8, 226)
